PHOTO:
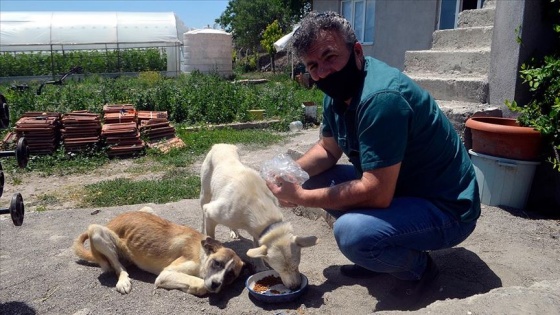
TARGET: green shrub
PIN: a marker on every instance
(97, 61)
(542, 112)
(193, 98)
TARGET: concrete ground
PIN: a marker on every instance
(510, 265)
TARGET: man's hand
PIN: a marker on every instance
(284, 190)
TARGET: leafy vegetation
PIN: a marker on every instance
(110, 61)
(271, 34)
(247, 20)
(543, 78)
(193, 101)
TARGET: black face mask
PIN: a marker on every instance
(343, 84)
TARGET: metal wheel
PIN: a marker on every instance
(17, 209)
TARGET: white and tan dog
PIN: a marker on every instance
(182, 257)
(236, 196)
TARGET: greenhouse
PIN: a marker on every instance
(70, 38)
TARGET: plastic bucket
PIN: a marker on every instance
(501, 181)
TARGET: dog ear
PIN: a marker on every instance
(248, 269)
(258, 252)
(210, 245)
(306, 241)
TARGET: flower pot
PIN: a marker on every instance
(504, 137)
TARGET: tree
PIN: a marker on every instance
(271, 34)
(247, 19)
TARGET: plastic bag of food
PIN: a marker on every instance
(283, 166)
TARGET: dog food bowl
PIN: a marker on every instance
(276, 293)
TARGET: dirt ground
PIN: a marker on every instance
(509, 265)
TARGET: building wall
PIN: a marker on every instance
(400, 25)
(507, 55)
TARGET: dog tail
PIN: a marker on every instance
(80, 250)
(147, 209)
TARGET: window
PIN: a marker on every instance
(361, 14)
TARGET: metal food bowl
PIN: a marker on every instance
(277, 293)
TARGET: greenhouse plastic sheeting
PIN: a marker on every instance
(33, 31)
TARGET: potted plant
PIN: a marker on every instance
(506, 152)
(504, 138)
(542, 112)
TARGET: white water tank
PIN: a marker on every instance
(209, 51)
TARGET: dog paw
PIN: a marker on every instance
(124, 286)
(197, 291)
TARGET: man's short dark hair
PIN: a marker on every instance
(313, 23)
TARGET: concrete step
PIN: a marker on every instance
(463, 38)
(466, 62)
(454, 88)
(489, 4)
(459, 112)
(478, 17)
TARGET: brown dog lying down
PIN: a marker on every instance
(182, 257)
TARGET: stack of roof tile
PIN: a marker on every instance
(144, 115)
(157, 130)
(122, 139)
(9, 140)
(41, 130)
(120, 131)
(119, 113)
(167, 145)
(154, 126)
(80, 131)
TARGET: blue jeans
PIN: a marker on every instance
(393, 240)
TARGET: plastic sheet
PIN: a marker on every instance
(283, 166)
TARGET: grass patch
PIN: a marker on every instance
(198, 143)
(47, 199)
(44, 200)
(178, 183)
(60, 163)
(173, 187)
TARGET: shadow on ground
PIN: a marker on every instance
(462, 274)
(19, 308)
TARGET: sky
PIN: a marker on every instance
(193, 13)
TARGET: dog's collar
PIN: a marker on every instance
(270, 227)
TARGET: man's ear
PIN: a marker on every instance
(358, 50)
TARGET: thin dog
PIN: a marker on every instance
(182, 257)
(236, 196)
